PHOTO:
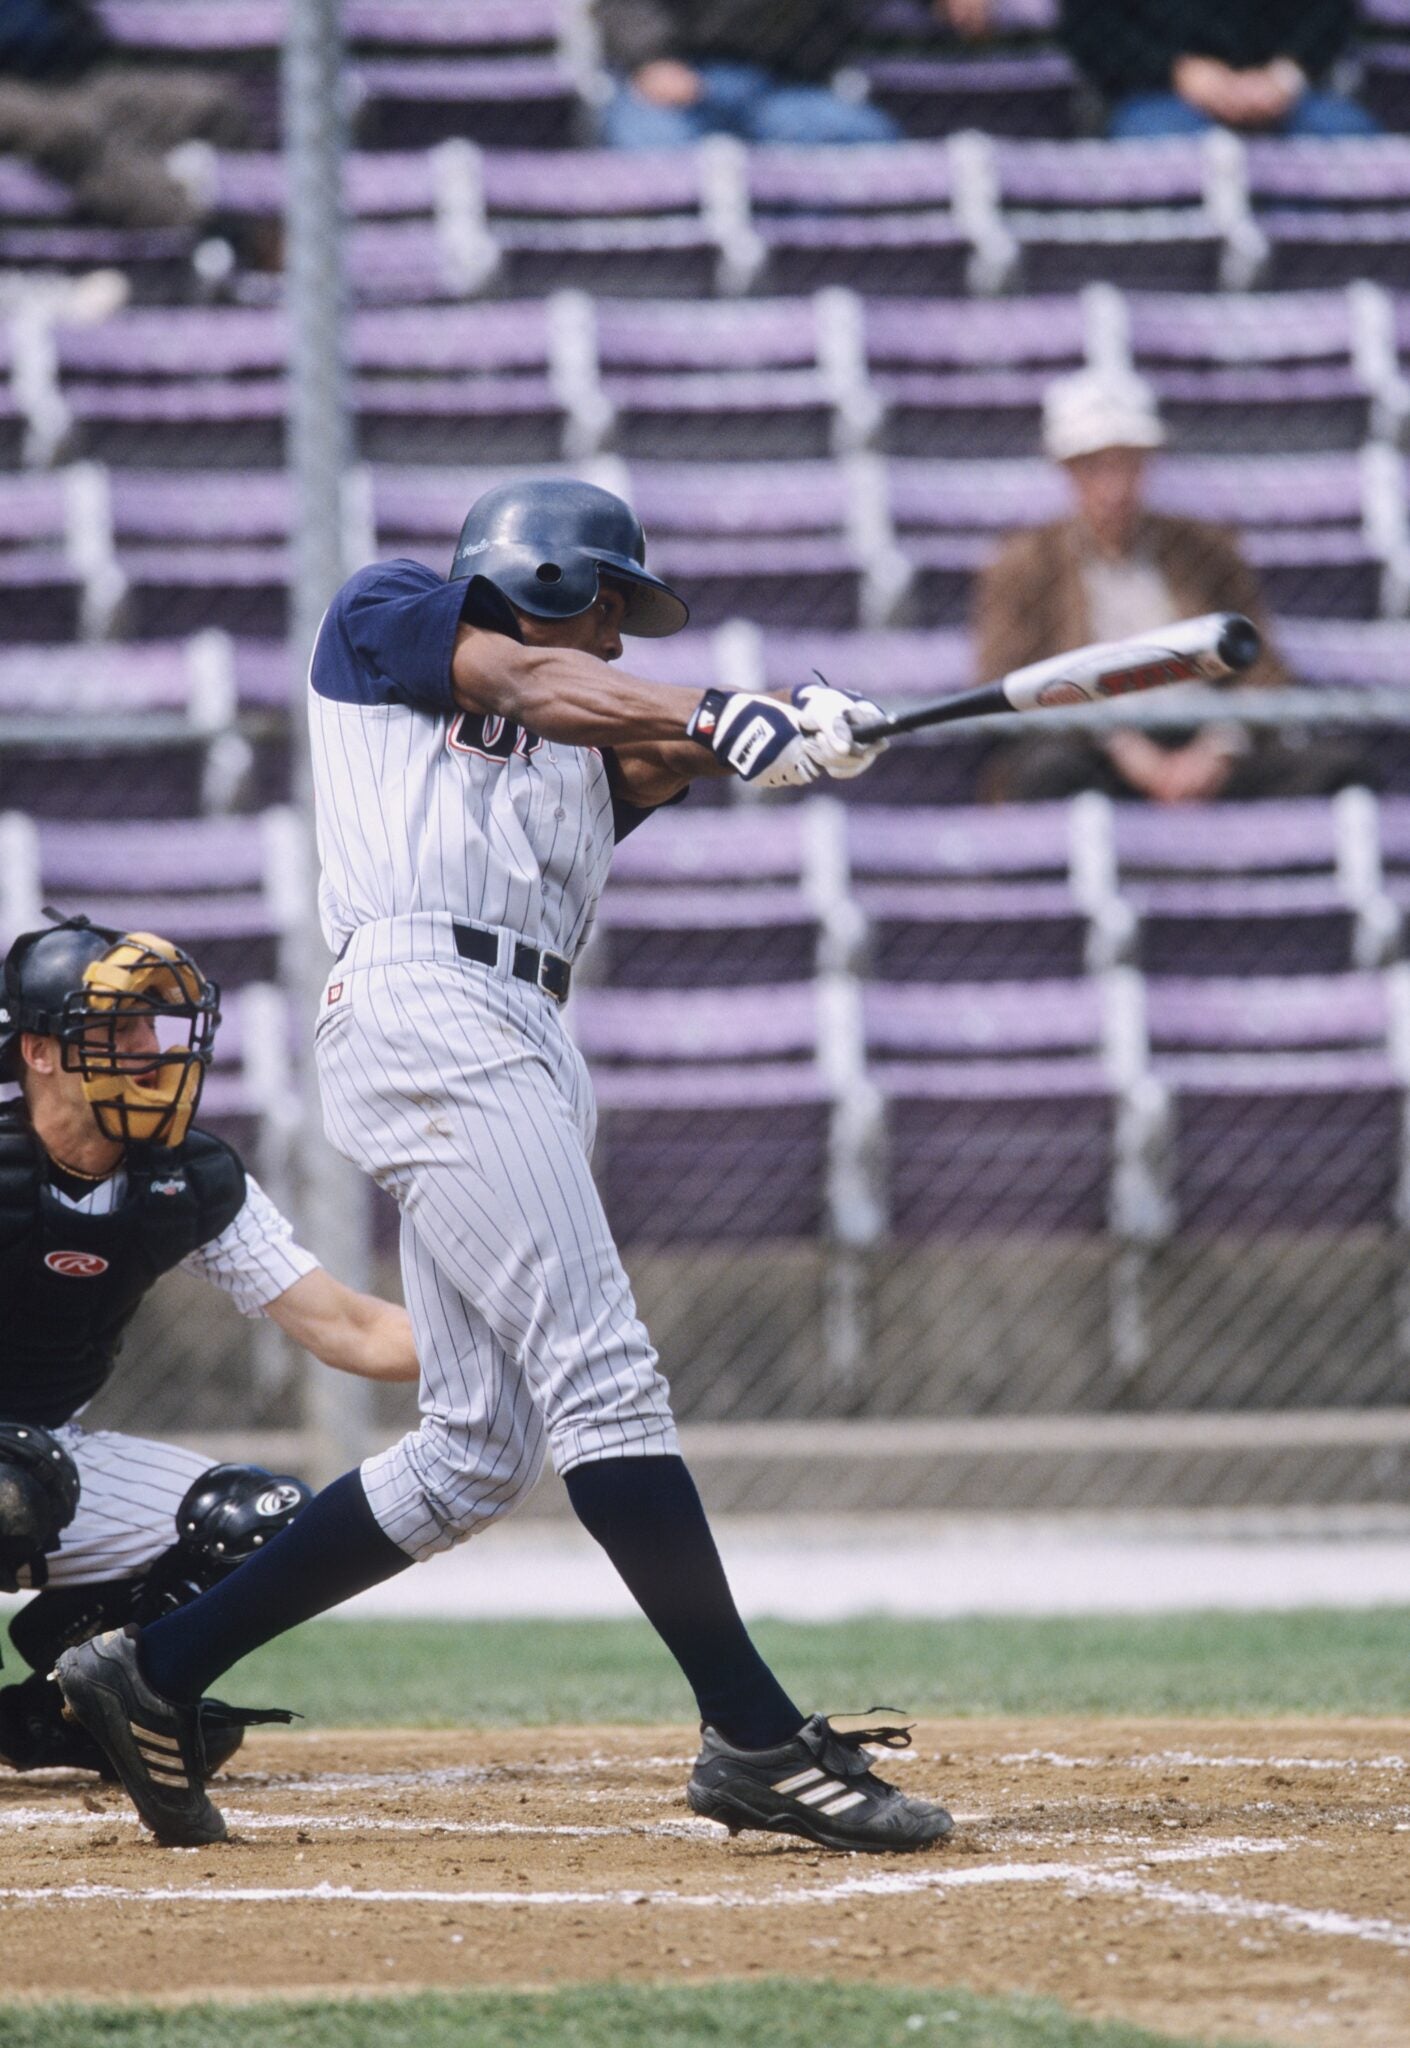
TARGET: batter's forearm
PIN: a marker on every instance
(561, 694)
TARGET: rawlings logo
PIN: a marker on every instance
(277, 1500)
(76, 1265)
(168, 1187)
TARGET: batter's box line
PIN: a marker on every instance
(1075, 1879)
(1186, 1759)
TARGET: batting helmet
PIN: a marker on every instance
(545, 543)
(82, 984)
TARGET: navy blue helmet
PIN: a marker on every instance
(544, 544)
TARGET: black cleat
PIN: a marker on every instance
(820, 1785)
(38, 1734)
(153, 1744)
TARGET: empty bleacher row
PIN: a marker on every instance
(817, 1021)
(863, 541)
(968, 212)
(569, 376)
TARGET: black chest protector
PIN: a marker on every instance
(71, 1283)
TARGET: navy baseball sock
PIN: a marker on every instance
(333, 1549)
(646, 1514)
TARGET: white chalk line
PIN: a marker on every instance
(19, 1820)
(1164, 1759)
(1295, 1919)
(1075, 1879)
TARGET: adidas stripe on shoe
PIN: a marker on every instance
(819, 1785)
(152, 1743)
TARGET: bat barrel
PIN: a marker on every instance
(1240, 643)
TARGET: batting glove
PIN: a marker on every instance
(828, 717)
(762, 739)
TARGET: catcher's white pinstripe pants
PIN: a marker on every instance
(130, 1489)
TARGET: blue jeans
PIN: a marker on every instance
(743, 100)
(1147, 114)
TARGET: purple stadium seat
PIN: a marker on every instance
(42, 589)
(1333, 211)
(155, 261)
(229, 889)
(242, 37)
(490, 25)
(112, 729)
(949, 516)
(499, 101)
(766, 541)
(632, 221)
(1245, 371)
(1097, 211)
(459, 384)
(203, 550)
(723, 381)
(1287, 1106)
(1347, 654)
(189, 388)
(718, 899)
(877, 218)
(966, 377)
(1302, 521)
(1001, 1111)
(1008, 92)
(967, 894)
(1236, 888)
(713, 1112)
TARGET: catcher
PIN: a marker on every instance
(104, 1186)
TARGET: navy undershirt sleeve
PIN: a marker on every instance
(389, 636)
(626, 817)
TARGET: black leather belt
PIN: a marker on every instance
(548, 971)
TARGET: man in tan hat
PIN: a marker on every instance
(1110, 569)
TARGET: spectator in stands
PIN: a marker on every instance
(687, 68)
(104, 128)
(1179, 67)
(1113, 568)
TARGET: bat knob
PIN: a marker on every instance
(1240, 643)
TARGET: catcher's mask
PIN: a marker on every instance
(133, 1014)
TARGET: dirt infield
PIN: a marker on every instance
(1215, 1878)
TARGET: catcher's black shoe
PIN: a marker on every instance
(36, 1733)
(161, 1750)
(820, 1785)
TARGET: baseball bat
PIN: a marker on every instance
(1202, 650)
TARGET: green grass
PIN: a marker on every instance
(774, 2014)
(447, 1674)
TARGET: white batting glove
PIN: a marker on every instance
(761, 738)
(828, 717)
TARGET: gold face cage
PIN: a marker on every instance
(140, 1032)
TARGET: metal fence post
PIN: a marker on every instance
(332, 1212)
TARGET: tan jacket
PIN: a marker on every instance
(1031, 600)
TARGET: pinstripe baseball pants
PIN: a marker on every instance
(458, 1089)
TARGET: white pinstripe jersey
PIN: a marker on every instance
(422, 807)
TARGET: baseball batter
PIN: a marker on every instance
(104, 1185)
(476, 760)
